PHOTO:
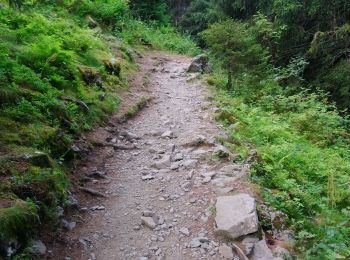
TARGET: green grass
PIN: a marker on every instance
(57, 81)
(304, 159)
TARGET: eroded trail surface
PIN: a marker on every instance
(162, 192)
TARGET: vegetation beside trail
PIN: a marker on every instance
(280, 69)
(302, 140)
(62, 64)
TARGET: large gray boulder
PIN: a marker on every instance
(236, 216)
(199, 64)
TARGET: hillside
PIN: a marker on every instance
(62, 66)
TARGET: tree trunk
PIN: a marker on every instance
(229, 81)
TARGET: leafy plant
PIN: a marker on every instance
(236, 48)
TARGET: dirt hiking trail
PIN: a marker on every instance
(161, 172)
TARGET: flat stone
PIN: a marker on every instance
(223, 181)
(186, 185)
(162, 163)
(98, 208)
(148, 222)
(147, 213)
(129, 136)
(195, 141)
(200, 154)
(174, 166)
(226, 252)
(195, 243)
(178, 157)
(190, 164)
(236, 215)
(184, 231)
(147, 177)
(223, 191)
(208, 174)
(168, 134)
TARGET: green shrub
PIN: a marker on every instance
(18, 221)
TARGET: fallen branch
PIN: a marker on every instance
(80, 103)
(121, 146)
(97, 174)
(240, 252)
(93, 192)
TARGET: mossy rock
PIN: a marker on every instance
(226, 116)
(18, 220)
(112, 66)
(39, 159)
(90, 75)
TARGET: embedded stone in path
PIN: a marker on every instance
(236, 215)
(162, 163)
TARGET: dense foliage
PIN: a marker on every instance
(301, 139)
(315, 30)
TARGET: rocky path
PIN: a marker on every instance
(163, 186)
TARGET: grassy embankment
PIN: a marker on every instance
(303, 163)
(61, 67)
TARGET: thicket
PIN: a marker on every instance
(301, 139)
(315, 30)
(62, 64)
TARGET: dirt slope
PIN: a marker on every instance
(159, 177)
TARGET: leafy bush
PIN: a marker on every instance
(18, 221)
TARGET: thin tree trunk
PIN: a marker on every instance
(229, 81)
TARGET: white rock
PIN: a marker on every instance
(147, 177)
(236, 215)
(167, 134)
(208, 174)
(195, 243)
(178, 157)
(149, 222)
(190, 164)
(163, 163)
(174, 166)
(195, 141)
(184, 231)
(190, 175)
